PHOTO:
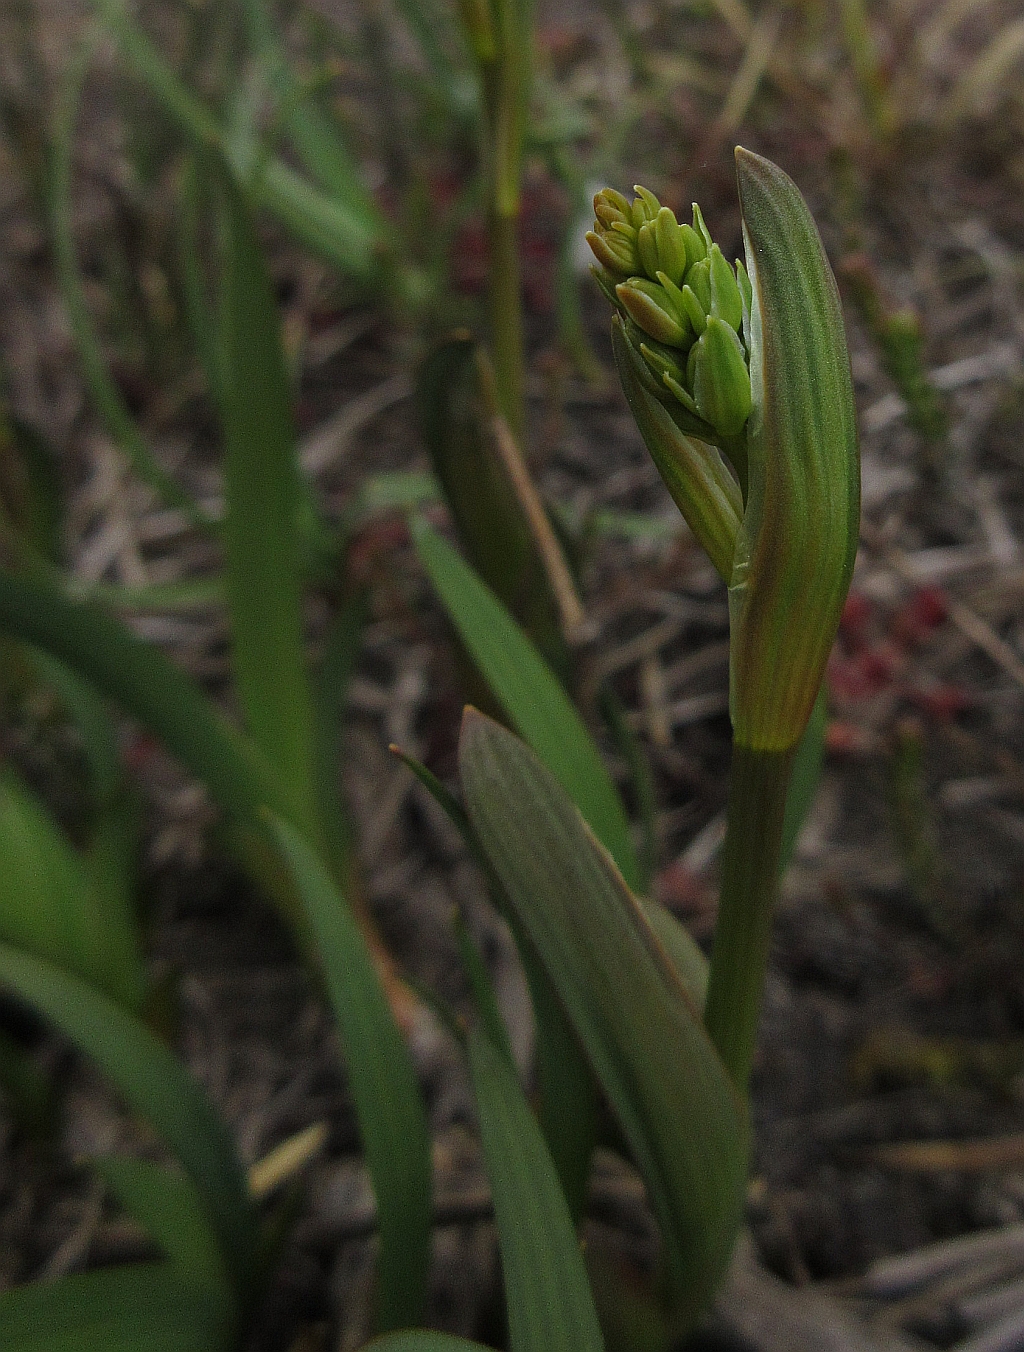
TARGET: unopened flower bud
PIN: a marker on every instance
(645, 206)
(610, 206)
(649, 306)
(726, 301)
(614, 251)
(721, 381)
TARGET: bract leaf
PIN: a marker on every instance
(798, 540)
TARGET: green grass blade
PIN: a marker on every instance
(641, 1029)
(332, 228)
(147, 685)
(102, 390)
(156, 1085)
(169, 1209)
(260, 530)
(531, 696)
(43, 904)
(550, 1308)
(314, 135)
(122, 1309)
(392, 1121)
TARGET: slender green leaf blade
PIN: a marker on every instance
(122, 1309)
(534, 701)
(44, 899)
(156, 1085)
(147, 684)
(330, 227)
(637, 1022)
(392, 1121)
(260, 528)
(550, 1308)
(170, 1210)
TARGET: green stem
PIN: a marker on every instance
(506, 320)
(750, 885)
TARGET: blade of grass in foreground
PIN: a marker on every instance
(550, 1308)
(260, 527)
(147, 685)
(157, 1086)
(639, 1025)
(531, 696)
(170, 1210)
(122, 1309)
(392, 1121)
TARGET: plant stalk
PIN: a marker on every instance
(749, 887)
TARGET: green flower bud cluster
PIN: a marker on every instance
(687, 309)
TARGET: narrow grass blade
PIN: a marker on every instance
(149, 687)
(314, 136)
(329, 227)
(55, 905)
(170, 1210)
(156, 1085)
(531, 696)
(550, 1308)
(111, 855)
(260, 528)
(641, 1029)
(392, 1121)
(102, 390)
(42, 906)
(122, 1309)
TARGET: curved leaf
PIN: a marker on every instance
(157, 1086)
(260, 532)
(147, 685)
(638, 1024)
(550, 1308)
(534, 701)
(392, 1121)
(122, 1309)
